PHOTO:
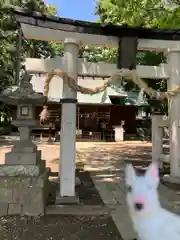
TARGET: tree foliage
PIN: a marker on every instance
(9, 34)
(8, 44)
(145, 13)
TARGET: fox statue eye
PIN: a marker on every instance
(129, 188)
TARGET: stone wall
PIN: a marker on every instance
(21, 194)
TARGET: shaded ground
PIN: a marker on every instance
(95, 157)
(59, 228)
(87, 192)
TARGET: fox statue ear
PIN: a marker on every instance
(130, 174)
(152, 175)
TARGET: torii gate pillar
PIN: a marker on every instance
(68, 124)
(174, 116)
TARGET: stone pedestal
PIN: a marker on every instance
(23, 178)
(24, 151)
(170, 179)
(23, 190)
(23, 181)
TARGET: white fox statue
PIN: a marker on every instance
(150, 220)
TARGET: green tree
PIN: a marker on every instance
(8, 38)
(145, 13)
(8, 43)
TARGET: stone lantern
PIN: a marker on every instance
(24, 173)
(24, 151)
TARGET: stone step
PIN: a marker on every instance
(78, 210)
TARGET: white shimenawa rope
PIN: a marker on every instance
(122, 73)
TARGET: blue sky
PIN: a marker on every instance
(75, 9)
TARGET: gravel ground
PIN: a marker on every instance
(64, 227)
(59, 228)
(95, 156)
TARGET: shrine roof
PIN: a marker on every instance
(68, 25)
(56, 88)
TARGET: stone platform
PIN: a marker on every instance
(23, 190)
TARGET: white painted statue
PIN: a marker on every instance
(150, 220)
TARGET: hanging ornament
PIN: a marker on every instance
(44, 115)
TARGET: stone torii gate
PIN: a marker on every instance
(72, 33)
(43, 66)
